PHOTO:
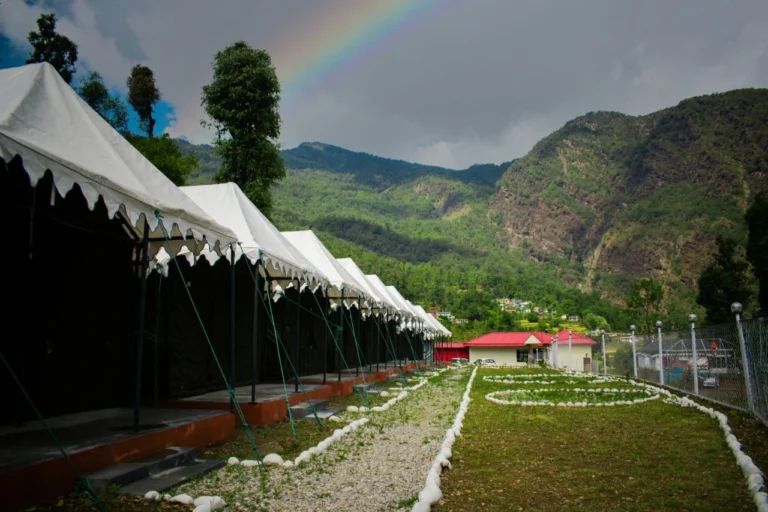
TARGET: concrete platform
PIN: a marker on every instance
(33, 471)
(264, 393)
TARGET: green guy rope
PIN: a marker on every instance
(94, 496)
(231, 392)
(280, 345)
(157, 337)
(336, 344)
(360, 359)
(388, 346)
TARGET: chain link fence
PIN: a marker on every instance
(712, 367)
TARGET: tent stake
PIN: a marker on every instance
(140, 327)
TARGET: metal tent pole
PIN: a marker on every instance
(140, 327)
(325, 343)
(254, 337)
(232, 335)
(378, 342)
(298, 338)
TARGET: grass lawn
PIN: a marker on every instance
(650, 456)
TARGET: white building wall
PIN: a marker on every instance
(578, 352)
(502, 356)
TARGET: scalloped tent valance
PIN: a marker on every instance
(257, 237)
(45, 123)
(307, 243)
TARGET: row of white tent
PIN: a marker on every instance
(45, 123)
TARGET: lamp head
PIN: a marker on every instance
(632, 328)
(658, 324)
(692, 318)
(736, 307)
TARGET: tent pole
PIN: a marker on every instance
(386, 326)
(378, 342)
(325, 345)
(254, 336)
(140, 327)
(359, 334)
(341, 330)
(298, 337)
(232, 325)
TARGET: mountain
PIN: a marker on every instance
(640, 196)
(602, 201)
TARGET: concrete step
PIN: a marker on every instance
(139, 468)
(324, 414)
(165, 480)
(303, 409)
(369, 386)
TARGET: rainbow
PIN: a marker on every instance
(345, 35)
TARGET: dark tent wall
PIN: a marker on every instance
(185, 363)
(69, 314)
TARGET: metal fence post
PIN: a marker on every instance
(736, 309)
(633, 341)
(692, 319)
(605, 358)
(661, 355)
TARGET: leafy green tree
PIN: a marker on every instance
(50, 46)
(757, 245)
(592, 321)
(645, 298)
(622, 359)
(143, 94)
(243, 103)
(532, 317)
(111, 108)
(724, 282)
(166, 156)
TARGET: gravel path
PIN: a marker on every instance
(381, 466)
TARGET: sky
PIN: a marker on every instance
(439, 82)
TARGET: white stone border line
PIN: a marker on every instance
(754, 477)
(491, 397)
(431, 492)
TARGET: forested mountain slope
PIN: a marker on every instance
(600, 202)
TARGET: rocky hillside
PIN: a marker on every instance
(600, 202)
(639, 196)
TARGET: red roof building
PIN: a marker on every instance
(525, 348)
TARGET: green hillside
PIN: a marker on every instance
(600, 202)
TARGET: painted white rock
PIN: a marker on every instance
(274, 459)
(249, 463)
(184, 499)
(152, 496)
(233, 461)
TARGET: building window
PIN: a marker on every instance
(522, 356)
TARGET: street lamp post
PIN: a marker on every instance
(634, 350)
(661, 354)
(554, 352)
(605, 358)
(692, 319)
(736, 309)
(570, 353)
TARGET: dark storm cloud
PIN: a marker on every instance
(474, 81)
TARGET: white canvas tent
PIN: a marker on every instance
(424, 316)
(376, 301)
(402, 304)
(257, 236)
(381, 289)
(307, 243)
(45, 122)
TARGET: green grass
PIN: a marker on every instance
(650, 456)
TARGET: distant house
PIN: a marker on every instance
(710, 355)
(510, 348)
(579, 356)
(574, 318)
(460, 320)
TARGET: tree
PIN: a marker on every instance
(757, 245)
(645, 299)
(49, 46)
(143, 94)
(242, 101)
(111, 108)
(593, 322)
(724, 282)
(166, 156)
